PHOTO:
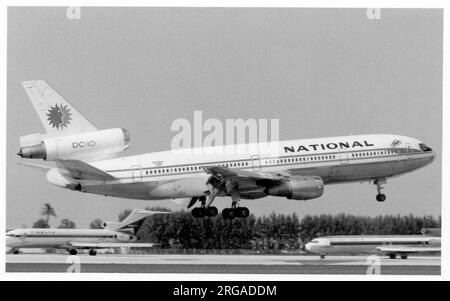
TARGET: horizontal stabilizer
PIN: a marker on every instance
(82, 170)
(39, 167)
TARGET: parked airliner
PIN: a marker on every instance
(114, 235)
(87, 160)
(391, 245)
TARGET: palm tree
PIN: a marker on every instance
(48, 211)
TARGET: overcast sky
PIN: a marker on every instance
(322, 72)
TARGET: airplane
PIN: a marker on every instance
(87, 160)
(391, 245)
(113, 235)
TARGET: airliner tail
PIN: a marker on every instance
(58, 117)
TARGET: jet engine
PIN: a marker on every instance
(124, 237)
(298, 188)
(89, 146)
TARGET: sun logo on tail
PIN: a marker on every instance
(59, 116)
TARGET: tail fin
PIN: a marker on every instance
(132, 222)
(56, 114)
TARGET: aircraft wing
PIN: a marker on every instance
(251, 183)
(228, 172)
(101, 245)
(405, 249)
(81, 170)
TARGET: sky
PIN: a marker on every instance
(321, 72)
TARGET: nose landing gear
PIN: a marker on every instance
(380, 196)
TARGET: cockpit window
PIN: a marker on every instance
(424, 148)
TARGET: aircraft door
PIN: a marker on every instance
(408, 150)
(256, 163)
(136, 172)
(343, 156)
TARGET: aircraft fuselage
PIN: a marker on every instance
(179, 174)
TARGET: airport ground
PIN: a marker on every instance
(217, 264)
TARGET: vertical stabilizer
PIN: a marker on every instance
(56, 114)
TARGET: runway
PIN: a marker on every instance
(217, 264)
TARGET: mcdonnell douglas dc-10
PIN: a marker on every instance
(87, 160)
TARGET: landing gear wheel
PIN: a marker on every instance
(228, 213)
(322, 256)
(73, 252)
(211, 211)
(404, 256)
(392, 256)
(381, 197)
(242, 212)
(198, 212)
(15, 251)
(92, 252)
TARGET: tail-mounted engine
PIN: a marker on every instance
(89, 146)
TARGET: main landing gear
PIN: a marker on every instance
(230, 213)
(380, 196)
(203, 210)
(235, 210)
(206, 210)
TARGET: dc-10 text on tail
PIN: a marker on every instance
(87, 160)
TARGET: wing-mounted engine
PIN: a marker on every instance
(90, 146)
(298, 188)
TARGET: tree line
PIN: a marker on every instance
(276, 232)
(47, 211)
